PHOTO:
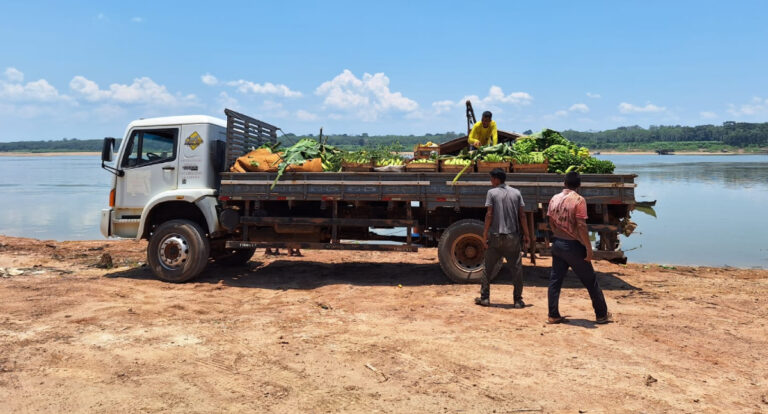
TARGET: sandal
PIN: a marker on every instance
(554, 321)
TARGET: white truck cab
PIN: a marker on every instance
(162, 163)
(165, 175)
(165, 183)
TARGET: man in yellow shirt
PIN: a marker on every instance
(484, 132)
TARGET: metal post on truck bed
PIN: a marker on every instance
(335, 225)
(409, 216)
(531, 237)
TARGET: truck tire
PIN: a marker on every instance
(232, 257)
(461, 251)
(178, 251)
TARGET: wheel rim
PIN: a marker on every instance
(173, 251)
(468, 252)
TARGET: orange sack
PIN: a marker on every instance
(260, 160)
(313, 165)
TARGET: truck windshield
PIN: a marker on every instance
(150, 147)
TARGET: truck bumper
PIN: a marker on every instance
(106, 222)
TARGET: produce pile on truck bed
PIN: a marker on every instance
(545, 151)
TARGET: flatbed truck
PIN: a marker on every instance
(172, 186)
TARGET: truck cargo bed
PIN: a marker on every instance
(431, 189)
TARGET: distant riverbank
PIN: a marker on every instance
(46, 154)
(675, 153)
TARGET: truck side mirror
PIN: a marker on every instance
(107, 149)
(106, 156)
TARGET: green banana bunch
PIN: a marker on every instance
(387, 162)
(530, 158)
(493, 158)
(361, 157)
(457, 161)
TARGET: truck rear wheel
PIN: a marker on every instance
(178, 251)
(461, 251)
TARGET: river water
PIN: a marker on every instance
(710, 209)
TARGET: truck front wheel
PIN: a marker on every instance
(461, 251)
(178, 251)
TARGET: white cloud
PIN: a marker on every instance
(87, 88)
(142, 91)
(209, 79)
(758, 106)
(707, 115)
(36, 91)
(367, 97)
(593, 95)
(227, 101)
(495, 97)
(579, 107)
(443, 106)
(14, 75)
(137, 20)
(628, 108)
(101, 16)
(303, 115)
(268, 88)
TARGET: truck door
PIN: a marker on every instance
(150, 163)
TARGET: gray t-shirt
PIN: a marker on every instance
(506, 202)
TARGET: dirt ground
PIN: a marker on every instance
(368, 332)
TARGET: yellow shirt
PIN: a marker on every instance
(480, 137)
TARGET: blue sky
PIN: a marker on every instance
(85, 69)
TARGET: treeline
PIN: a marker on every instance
(343, 141)
(736, 134)
(706, 137)
(346, 141)
(63, 145)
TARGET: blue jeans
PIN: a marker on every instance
(571, 253)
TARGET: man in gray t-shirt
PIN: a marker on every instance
(503, 222)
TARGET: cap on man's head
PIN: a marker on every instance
(572, 180)
(487, 114)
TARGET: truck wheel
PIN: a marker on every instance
(461, 251)
(232, 257)
(178, 251)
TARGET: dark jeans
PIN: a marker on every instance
(508, 247)
(571, 253)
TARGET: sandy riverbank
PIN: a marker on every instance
(46, 154)
(368, 332)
